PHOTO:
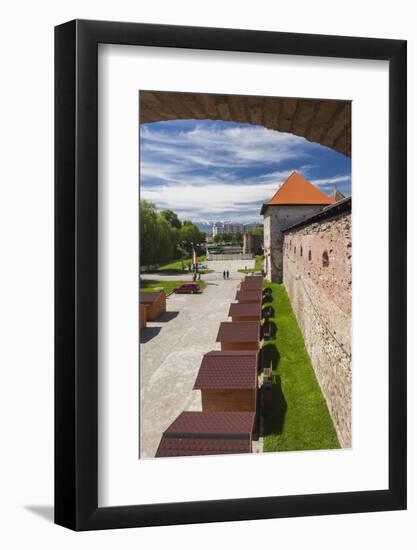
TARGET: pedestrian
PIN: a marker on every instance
(224, 274)
(227, 273)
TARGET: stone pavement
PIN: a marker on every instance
(172, 348)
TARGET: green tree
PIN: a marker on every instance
(217, 239)
(172, 218)
(158, 238)
(164, 242)
(148, 221)
(190, 235)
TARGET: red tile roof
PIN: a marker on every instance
(228, 370)
(149, 297)
(205, 424)
(245, 310)
(249, 295)
(254, 284)
(297, 190)
(246, 331)
(208, 433)
(170, 446)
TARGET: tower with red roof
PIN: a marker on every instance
(296, 200)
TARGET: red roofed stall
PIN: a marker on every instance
(142, 316)
(251, 283)
(228, 380)
(245, 312)
(239, 336)
(155, 304)
(208, 433)
(249, 296)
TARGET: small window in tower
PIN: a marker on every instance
(301, 250)
(309, 255)
(325, 259)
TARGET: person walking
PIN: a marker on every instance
(224, 274)
(227, 273)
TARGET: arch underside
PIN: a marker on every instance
(323, 121)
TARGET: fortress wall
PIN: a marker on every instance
(320, 294)
(276, 219)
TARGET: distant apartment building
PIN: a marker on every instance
(220, 228)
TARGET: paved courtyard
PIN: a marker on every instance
(172, 348)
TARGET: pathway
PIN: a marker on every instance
(172, 348)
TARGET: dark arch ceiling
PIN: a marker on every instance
(323, 121)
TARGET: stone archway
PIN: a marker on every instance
(323, 121)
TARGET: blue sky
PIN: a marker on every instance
(224, 171)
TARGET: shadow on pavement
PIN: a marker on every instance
(148, 333)
(167, 316)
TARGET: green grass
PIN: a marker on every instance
(299, 418)
(259, 265)
(175, 267)
(153, 285)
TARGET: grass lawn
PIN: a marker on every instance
(172, 268)
(259, 265)
(299, 418)
(153, 285)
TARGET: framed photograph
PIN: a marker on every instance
(230, 229)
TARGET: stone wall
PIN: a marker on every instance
(317, 270)
(276, 219)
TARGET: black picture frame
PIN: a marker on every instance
(76, 271)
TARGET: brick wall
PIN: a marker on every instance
(317, 272)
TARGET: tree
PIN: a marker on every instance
(172, 218)
(148, 218)
(164, 243)
(238, 238)
(190, 235)
(158, 238)
(259, 230)
(217, 239)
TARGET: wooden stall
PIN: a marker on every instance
(142, 316)
(251, 283)
(249, 296)
(155, 304)
(239, 336)
(228, 381)
(245, 312)
(208, 433)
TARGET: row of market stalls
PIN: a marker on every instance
(228, 382)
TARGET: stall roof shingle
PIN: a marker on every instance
(228, 370)
(202, 424)
(170, 446)
(251, 284)
(149, 297)
(246, 331)
(249, 295)
(245, 309)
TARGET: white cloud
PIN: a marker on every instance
(197, 172)
(334, 180)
